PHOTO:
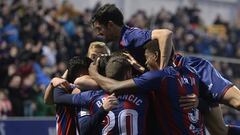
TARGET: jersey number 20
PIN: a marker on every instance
(127, 122)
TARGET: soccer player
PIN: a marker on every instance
(129, 116)
(214, 119)
(221, 89)
(168, 85)
(67, 122)
(108, 23)
(65, 114)
(97, 49)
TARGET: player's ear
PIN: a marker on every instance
(110, 24)
(156, 55)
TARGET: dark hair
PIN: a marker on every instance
(117, 67)
(152, 46)
(102, 64)
(106, 13)
(75, 66)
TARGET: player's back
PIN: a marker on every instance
(129, 117)
(171, 118)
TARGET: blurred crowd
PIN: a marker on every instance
(37, 40)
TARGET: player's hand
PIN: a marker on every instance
(189, 101)
(93, 68)
(134, 63)
(64, 76)
(56, 81)
(59, 82)
(110, 102)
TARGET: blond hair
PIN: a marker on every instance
(98, 44)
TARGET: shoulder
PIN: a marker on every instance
(133, 34)
(157, 74)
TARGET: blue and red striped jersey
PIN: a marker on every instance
(133, 39)
(128, 118)
(215, 83)
(167, 86)
(66, 117)
(66, 120)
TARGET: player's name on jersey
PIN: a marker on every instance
(130, 98)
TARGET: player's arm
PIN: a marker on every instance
(164, 37)
(220, 89)
(214, 121)
(146, 81)
(111, 85)
(62, 97)
(232, 97)
(108, 84)
(90, 122)
(48, 95)
(86, 83)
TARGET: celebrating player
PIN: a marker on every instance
(168, 85)
(129, 116)
(108, 23)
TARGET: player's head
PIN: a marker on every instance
(152, 54)
(118, 67)
(96, 49)
(106, 21)
(77, 67)
(103, 60)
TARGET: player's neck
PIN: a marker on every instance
(118, 33)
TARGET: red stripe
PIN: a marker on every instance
(158, 113)
(196, 84)
(196, 91)
(71, 129)
(129, 125)
(182, 89)
(59, 128)
(59, 122)
(167, 108)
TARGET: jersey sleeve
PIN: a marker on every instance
(61, 97)
(136, 37)
(141, 37)
(217, 85)
(149, 81)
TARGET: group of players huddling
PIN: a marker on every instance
(144, 89)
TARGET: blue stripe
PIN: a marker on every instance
(177, 111)
(63, 121)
